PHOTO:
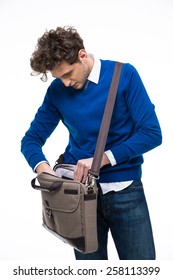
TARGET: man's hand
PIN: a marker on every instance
(84, 165)
(44, 167)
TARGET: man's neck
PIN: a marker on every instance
(90, 62)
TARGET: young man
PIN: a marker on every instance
(77, 97)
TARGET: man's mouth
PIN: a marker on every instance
(75, 85)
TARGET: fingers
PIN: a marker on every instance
(82, 168)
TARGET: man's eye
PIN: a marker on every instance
(67, 75)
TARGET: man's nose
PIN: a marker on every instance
(66, 82)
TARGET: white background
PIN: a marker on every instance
(136, 31)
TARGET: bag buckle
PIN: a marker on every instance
(91, 183)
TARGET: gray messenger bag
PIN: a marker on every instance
(69, 208)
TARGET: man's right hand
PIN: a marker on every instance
(44, 167)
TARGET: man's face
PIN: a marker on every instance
(74, 75)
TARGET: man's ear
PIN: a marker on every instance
(82, 55)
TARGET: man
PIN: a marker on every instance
(77, 97)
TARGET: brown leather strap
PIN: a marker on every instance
(101, 141)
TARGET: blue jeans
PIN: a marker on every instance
(125, 214)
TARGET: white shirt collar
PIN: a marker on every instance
(95, 72)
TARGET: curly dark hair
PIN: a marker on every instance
(53, 47)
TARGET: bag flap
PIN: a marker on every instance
(64, 199)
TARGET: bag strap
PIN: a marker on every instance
(105, 124)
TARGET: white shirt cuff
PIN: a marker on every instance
(111, 157)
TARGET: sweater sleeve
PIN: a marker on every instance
(146, 134)
(45, 121)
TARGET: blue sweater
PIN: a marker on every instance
(134, 128)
